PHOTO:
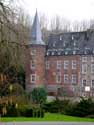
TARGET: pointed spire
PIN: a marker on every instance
(36, 35)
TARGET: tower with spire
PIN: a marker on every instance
(35, 57)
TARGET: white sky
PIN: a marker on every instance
(70, 9)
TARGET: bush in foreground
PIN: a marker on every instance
(83, 108)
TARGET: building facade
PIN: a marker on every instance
(64, 66)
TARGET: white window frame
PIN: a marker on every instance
(33, 52)
(83, 82)
(47, 64)
(74, 64)
(59, 64)
(32, 64)
(92, 68)
(92, 83)
(84, 68)
(66, 78)
(84, 59)
(74, 79)
(33, 76)
(92, 58)
(58, 78)
(66, 64)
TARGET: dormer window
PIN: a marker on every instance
(85, 52)
(59, 53)
(93, 51)
(47, 53)
(74, 43)
(60, 37)
(54, 44)
(64, 44)
(72, 37)
(74, 52)
(66, 52)
(52, 53)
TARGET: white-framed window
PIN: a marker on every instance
(33, 52)
(92, 68)
(84, 82)
(84, 59)
(58, 78)
(64, 44)
(92, 59)
(52, 53)
(74, 43)
(47, 65)
(74, 79)
(74, 52)
(66, 78)
(60, 37)
(66, 64)
(92, 82)
(72, 37)
(33, 78)
(84, 68)
(32, 64)
(54, 43)
(74, 64)
(59, 64)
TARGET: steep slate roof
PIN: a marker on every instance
(36, 35)
(72, 43)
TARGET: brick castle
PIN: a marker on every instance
(64, 66)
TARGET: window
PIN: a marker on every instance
(47, 53)
(47, 64)
(58, 78)
(66, 78)
(74, 43)
(59, 53)
(54, 43)
(84, 68)
(74, 52)
(66, 64)
(66, 52)
(84, 59)
(60, 37)
(92, 83)
(92, 68)
(32, 65)
(73, 64)
(74, 79)
(33, 78)
(72, 37)
(58, 64)
(83, 82)
(64, 44)
(33, 52)
(53, 53)
(92, 59)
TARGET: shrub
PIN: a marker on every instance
(56, 106)
(11, 111)
(81, 109)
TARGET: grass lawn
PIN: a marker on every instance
(49, 117)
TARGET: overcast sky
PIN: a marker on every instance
(70, 9)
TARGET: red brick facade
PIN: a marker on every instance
(53, 71)
(39, 57)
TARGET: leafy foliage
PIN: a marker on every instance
(39, 95)
(83, 108)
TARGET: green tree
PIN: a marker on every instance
(39, 96)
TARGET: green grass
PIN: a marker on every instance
(49, 117)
